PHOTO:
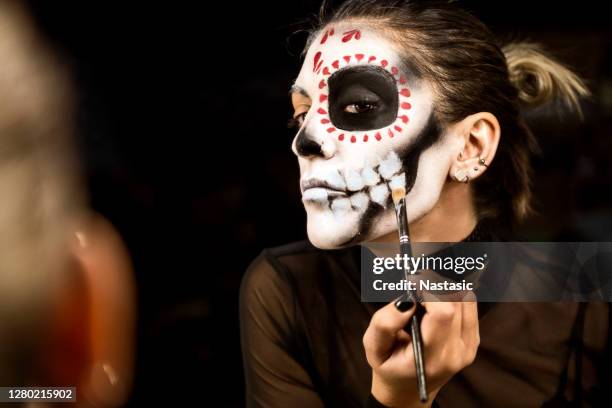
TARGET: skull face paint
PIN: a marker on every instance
(370, 127)
(371, 94)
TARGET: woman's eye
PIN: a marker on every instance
(300, 118)
(360, 107)
(297, 121)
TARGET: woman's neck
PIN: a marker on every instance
(451, 220)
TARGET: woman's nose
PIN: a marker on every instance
(308, 144)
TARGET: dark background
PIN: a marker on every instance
(183, 111)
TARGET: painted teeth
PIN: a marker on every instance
(373, 182)
(370, 177)
(354, 182)
(359, 201)
(390, 165)
(397, 181)
(337, 180)
(341, 204)
(379, 194)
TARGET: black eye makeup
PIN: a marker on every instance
(362, 98)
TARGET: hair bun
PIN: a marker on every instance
(540, 78)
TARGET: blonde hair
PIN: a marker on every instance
(540, 78)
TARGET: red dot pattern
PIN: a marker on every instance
(403, 93)
(327, 34)
(350, 35)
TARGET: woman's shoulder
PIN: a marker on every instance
(269, 287)
(289, 255)
(271, 268)
(274, 266)
(287, 268)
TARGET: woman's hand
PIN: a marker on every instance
(450, 336)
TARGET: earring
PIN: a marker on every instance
(462, 176)
(482, 161)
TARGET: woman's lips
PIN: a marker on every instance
(357, 186)
(322, 194)
(318, 183)
(320, 190)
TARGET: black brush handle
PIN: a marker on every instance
(415, 326)
(417, 347)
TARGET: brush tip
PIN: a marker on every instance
(397, 194)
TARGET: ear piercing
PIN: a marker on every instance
(461, 175)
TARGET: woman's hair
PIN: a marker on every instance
(471, 73)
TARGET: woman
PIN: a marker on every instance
(391, 90)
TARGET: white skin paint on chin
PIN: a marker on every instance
(364, 162)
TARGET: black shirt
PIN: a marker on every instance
(302, 324)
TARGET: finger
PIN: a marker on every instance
(441, 333)
(441, 322)
(403, 336)
(382, 333)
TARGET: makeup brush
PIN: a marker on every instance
(398, 193)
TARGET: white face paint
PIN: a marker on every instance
(346, 180)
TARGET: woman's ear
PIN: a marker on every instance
(480, 133)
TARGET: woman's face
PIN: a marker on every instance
(366, 126)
